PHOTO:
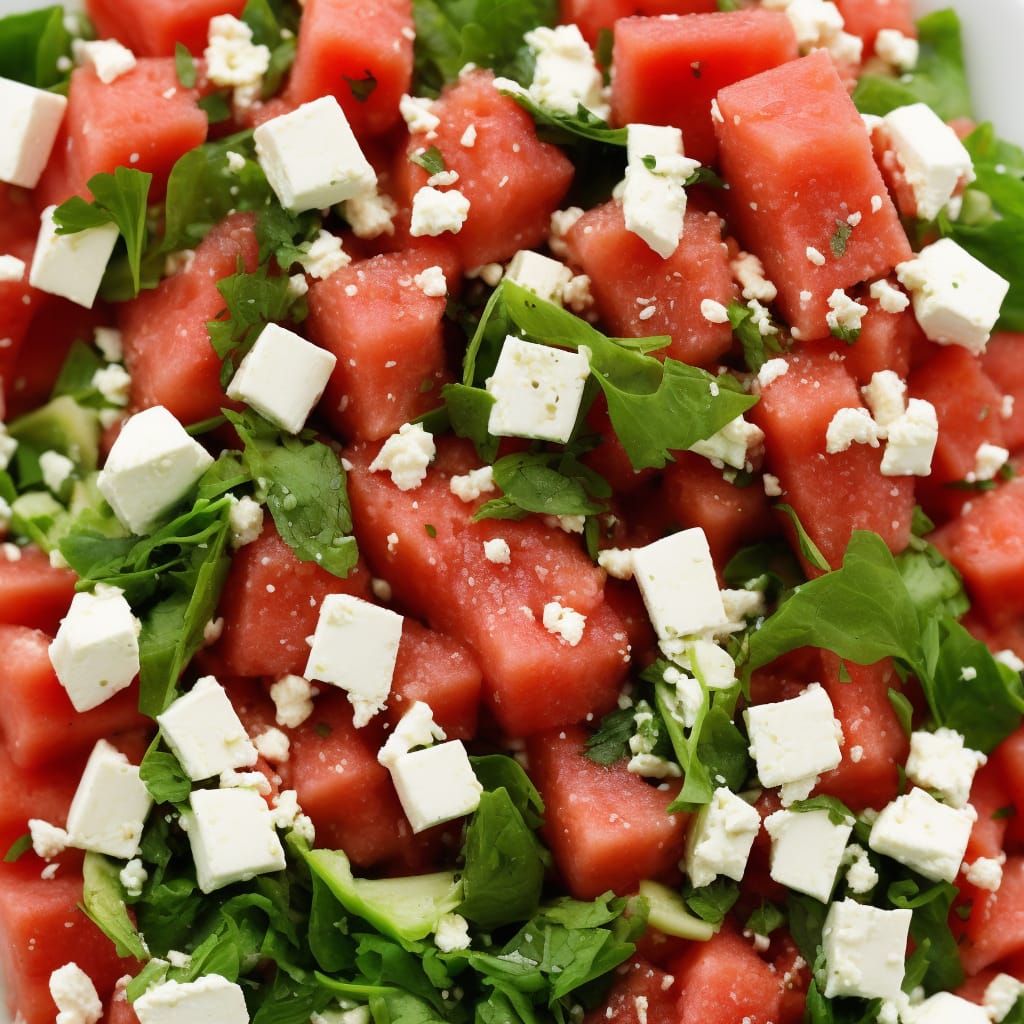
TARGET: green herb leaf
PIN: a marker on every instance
(31, 44)
(712, 902)
(103, 902)
(361, 88)
(610, 743)
(569, 129)
(904, 710)
(929, 927)
(184, 65)
(838, 812)
(20, 846)
(549, 483)
(430, 160)
(766, 919)
(841, 235)
(164, 776)
(303, 483)
(808, 548)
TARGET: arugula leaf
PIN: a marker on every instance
(938, 79)
(303, 484)
(1016, 1014)
(934, 584)
(808, 548)
(31, 44)
(119, 198)
(838, 812)
(551, 483)
(756, 346)
(103, 903)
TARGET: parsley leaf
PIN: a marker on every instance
(430, 160)
(610, 743)
(841, 235)
(119, 198)
(303, 483)
(713, 901)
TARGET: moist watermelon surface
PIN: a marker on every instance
(531, 518)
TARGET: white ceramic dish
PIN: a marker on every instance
(993, 30)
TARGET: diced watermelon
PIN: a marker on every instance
(19, 303)
(987, 545)
(44, 929)
(119, 1010)
(730, 516)
(885, 342)
(270, 604)
(32, 592)
(607, 828)
(436, 565)
(389, 340)
(669, 71)
(440, 671)
(44, 793)
(874, 743)
(166, 344)
(360, 53)
(1009, 756)
(512, 180)
(640, 994)
(165, 23)
(1003, 361)
(629, 279)
(967, 404)
(991, 799)
(348, 793)
(865, 18)
(833, 495)
(591, 16)
(723, 981)
(790, 209)
(37, 719)
(995, 928)
(145, 119)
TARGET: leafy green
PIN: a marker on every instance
(610, 743)
(273, 25)
(569, 128)
(838, 812)
(938, 79)
(934, 584)
(303, 484)
(766, 919)
(103, 901)
(841, 235)
(929, 928)
(430, 160)
(496, 771)
(1016, 1014)
(31, 44)
(488, 33)
(712, 902)
(164, 776)
(757, 347)
(184, 65)
(119, 198)
(810, 550)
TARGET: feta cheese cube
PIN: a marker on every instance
(71, 266)
(282, 377)
(928, 837)
(796, 739)
(232, 836)
(29, 121)
(435, 784)
(933, 158)
(911, 440)
(406, 456)
(940, 762)
(107, 57)
(807, 850)
(96, 650)
(654, 197)
(565, 75)
(110, 805)
(956, 297)
(1001, 996)
(537, 390)
(434, 212)
(720, 838)
(865, 950)
(946, 1008)
(311, 158)
(677, 581)
(75, 995)
(209, 998)
(205, 732)
(542, 275)
(152, 465)
(354, 647)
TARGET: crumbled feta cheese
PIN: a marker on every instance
(293, 700)
(617, 562)
(1001, 996)
(48, 841)
(772, 485)
(371, 213)
(497, 551)
(56, 469)
(113, 383)
(545, 277)
(434, 212)
(416, 728)
(232, 59)
(406, 456)
(565, 74)
(11, 268)
(432, 282)
(731, 444)
(814, 256)
(714, 312)
(749, 273)
(561, 222)
(885, 397)
(323, 255)
(986, 872)
(844, 314)
(417, 114)
(720, 838)
(940, 762)
(861, 877)
(451, 933)
(989, 459)
(273, 745)
(771, 370)
(851, 425)
(75, 995)
(565, 623)
(107, 57)
(896, 49)
(133, 876)
(911, 440)
(470, 486)
(245, 520)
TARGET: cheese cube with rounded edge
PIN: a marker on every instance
(354, 647)
(794, 739)
(940, 762)
(677, 580)
(231, 832)
(435, 784)
(282, 377)
(71, 266)
(211, 999)
(110, 805)
(537, 391)
(928, 837)
(807, 850)
(205, 733)
(29, 121)
(720, 838)
(865, 950)
(946, 1008)
(912, 437)
(311, 158)
(956, 297)
(152, 465)
(933, 159)
(539, 274)
(96, 650)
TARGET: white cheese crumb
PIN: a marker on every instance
(714, 312)
(432, 282)
(851, 425)
(565, 623)
(405, 456)
(472, 485)
(497, 551)
(814, 256)
(293, 700)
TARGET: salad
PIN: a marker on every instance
(511, 513)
